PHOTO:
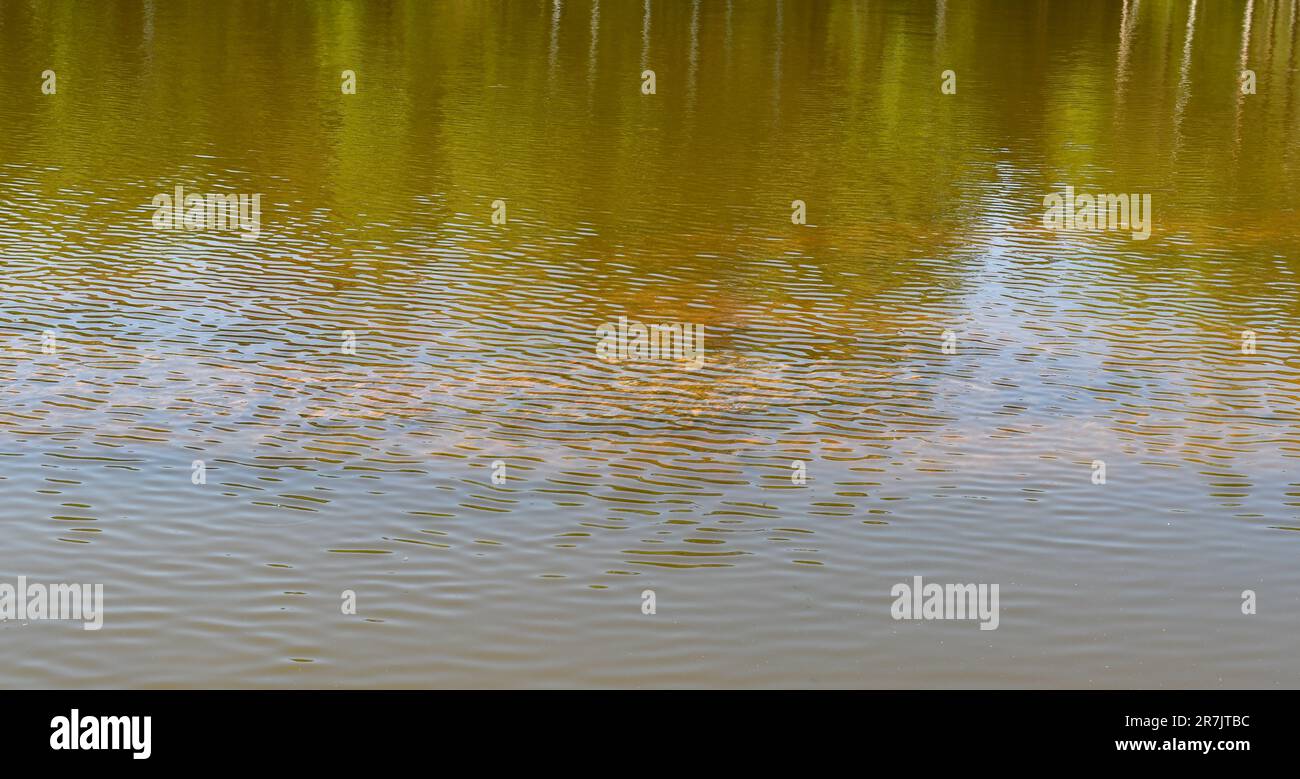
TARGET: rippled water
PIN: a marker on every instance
(372, 472)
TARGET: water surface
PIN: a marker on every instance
(372, 472)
